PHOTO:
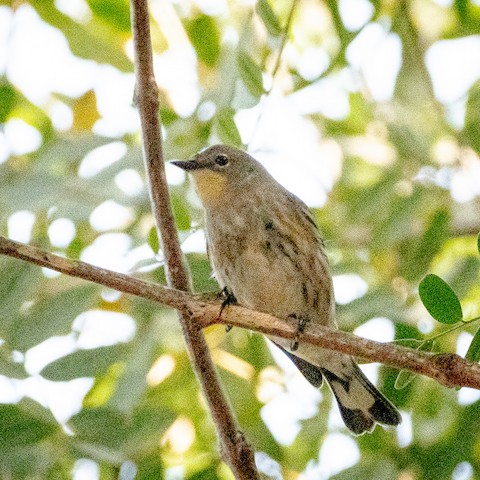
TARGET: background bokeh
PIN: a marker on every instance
(367, 110)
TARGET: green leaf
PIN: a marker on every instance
(396, 226)
(133, 381)
(251, 74)
(114, 12)
(226, 128)
(186, 136)
(101, 425)
(99, 453)
(33, 460)
(12, 369)
(19, 427)
(149, 425)
(473, 352)
(49, 180)
(440, 300)
(33, 115)
(18, 281)
(52, 316)
(419, 255)
(94, 40)
(151, 467)
(182, 214)
(84, 363)
(268, 17)
(478, 243)
(202, 279)
(8, 96)
(153, 241)
(205, 37)
(471, 131)
(120, 435)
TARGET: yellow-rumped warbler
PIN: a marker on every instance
(266, 252)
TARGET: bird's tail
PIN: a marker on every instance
(361, 404)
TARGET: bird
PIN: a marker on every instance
(267, 254)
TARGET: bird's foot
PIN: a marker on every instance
(228, 299)
(302, 322)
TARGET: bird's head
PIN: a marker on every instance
(220, 171)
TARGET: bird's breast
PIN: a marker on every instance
(268, 270)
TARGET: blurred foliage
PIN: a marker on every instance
(390, 218)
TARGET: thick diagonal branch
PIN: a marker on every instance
(234, 449)
(448, 369)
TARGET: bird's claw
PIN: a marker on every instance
(302, 322)
(228, 299)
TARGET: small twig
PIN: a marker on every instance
(286, 32)
(448, 369)
(235, 451)
(278, 62)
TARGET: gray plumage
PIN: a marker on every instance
(266, 250)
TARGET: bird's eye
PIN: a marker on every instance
(221, 160)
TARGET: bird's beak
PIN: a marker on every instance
(188, 165)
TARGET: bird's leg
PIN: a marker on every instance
(302, 322)
(228, 299)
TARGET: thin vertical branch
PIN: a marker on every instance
(235, 451)
(286, 32)
(276, 68)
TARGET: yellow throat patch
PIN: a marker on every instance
(210, 185)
